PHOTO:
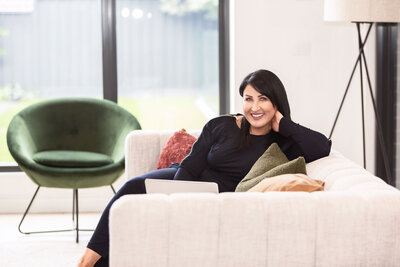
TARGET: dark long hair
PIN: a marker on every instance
(268, 84)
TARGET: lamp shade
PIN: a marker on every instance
(362, 10)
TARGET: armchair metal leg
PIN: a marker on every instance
(73, 205)
(75, 213)
(26, 212)
(113, 189)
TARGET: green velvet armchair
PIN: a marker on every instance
(70, 143)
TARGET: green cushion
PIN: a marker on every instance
(272, 163)
(68, 158)
(271, 158)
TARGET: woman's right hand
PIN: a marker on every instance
(276, 120)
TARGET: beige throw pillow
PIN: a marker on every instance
(289, 182)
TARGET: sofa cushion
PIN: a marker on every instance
(271, 158)
(176, 149)
(70, 158)
(272, 163)
(288, 182)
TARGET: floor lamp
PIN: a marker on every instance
(363, 12)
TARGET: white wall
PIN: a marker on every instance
(17, 190)
(314, 60)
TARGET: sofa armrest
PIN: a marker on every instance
(340, 173)
(143, 148)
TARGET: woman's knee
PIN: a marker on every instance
(134, 186)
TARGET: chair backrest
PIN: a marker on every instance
(74, 124)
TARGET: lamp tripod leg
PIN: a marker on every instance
(360, 46)
(349, 82)
(344, 97)
(380, 131)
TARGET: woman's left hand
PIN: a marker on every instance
(276, 120)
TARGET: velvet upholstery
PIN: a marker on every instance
(71, 124)
(272, 163)
(69, 158)
(294, 166)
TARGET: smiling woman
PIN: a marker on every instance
(264, 104)
(259, 110)
(217, 156)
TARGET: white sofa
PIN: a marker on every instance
(354, 222)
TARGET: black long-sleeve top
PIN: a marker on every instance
(216, 157)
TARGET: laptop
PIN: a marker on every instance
(174, 186)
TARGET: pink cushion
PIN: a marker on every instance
(176, 149)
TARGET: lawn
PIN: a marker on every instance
(154, 113)
(165, 113)
(7, 112)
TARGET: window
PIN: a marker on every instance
(168, 56)
(168, 62)
(52, 50)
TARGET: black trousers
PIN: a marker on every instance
(100, 241)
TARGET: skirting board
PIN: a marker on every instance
(17, 190)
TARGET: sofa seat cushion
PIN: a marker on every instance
(71, 158)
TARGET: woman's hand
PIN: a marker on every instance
(276, 120)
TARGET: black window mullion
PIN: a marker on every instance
(223, 33)
(109, 45)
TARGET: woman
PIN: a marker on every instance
(227, 149)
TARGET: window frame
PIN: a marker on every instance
(386, 97)
(109, 56)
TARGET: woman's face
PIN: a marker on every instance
(258, 110)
